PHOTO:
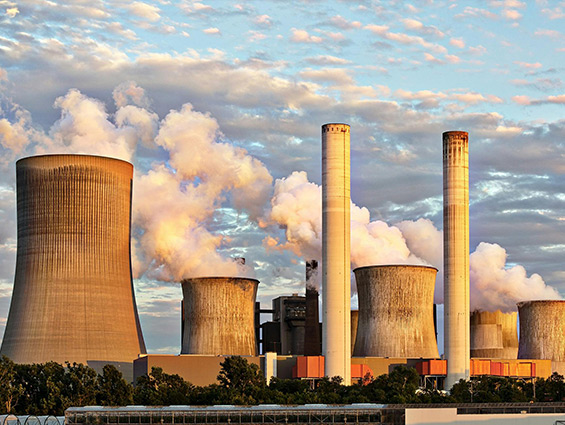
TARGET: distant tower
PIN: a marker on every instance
(312, 322)
(336, 280)
(73, 297)
(456, 255)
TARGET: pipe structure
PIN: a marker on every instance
(542, 332)
(336, 261)
(494, 334)
(219, 316)
(396, 316)
(73, 297)
(456, 255)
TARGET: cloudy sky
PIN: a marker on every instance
(219, 107)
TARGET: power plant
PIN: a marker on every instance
(396, 317)
(73, 297)
(336, 258)
(456, 255)
(494, 334)
(219, 316)
(542, 332)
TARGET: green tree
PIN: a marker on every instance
(161, 389)
(80, 386)
(113, 389)
(10, 389)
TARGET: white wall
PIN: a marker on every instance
(450, 416)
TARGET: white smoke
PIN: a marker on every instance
(175, 202)
(296, 207)
(496, 287)
(177, 199)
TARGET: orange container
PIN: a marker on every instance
(438, 367)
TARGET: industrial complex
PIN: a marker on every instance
(73, 297)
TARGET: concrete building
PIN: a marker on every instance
(542, 332)
(219, 316)
(494, 334)
(336, 261)
(456, 255)
(73, 297)
(396, 316)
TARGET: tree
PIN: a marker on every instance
(113, 389)
(243, 382)
(161, 389)
(10, 389)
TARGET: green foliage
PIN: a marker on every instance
(49, 388)
(113, 389)
(161, 389)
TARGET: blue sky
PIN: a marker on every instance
(103, 77)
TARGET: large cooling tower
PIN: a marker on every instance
(73, 296)
(494, 334)
(456, 255)
(336, 261)
(396, 311)
(354, 323)
(219, 316)
(542, 332)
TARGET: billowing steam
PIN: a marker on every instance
(494, 287)
(296, 207)
(175, 201)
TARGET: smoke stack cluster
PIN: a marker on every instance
(312, 324)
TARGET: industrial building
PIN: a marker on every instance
(73, 297)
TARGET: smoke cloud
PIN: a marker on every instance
(495, 287)
(176, 200)
(296, 207)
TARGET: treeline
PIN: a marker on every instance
(49, 388)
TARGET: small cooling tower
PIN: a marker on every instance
(219, 316)
(542, 332)
(396, 311)
(494, 334)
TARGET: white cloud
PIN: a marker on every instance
(457, 42)
(11, 12)
(302, 36)
(212, 31)
(145, 11)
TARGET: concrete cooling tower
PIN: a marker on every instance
(354, 323)
(494, 334)
(396, 311)
(542, 332)
(219, 316)
(73, 296)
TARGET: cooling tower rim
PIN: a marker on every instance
(378, 266)
(539, 302)
(456, 132)
(335, 123)
(70, 155)
(236, 278)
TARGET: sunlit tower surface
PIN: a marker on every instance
(456, 255)
(336, 280)
(73, 297)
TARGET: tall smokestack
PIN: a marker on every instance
(312, 323)
(456, 255)
(336, 280)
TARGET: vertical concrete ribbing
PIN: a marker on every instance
(336, 280)
(456, 255)
(73, 295)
